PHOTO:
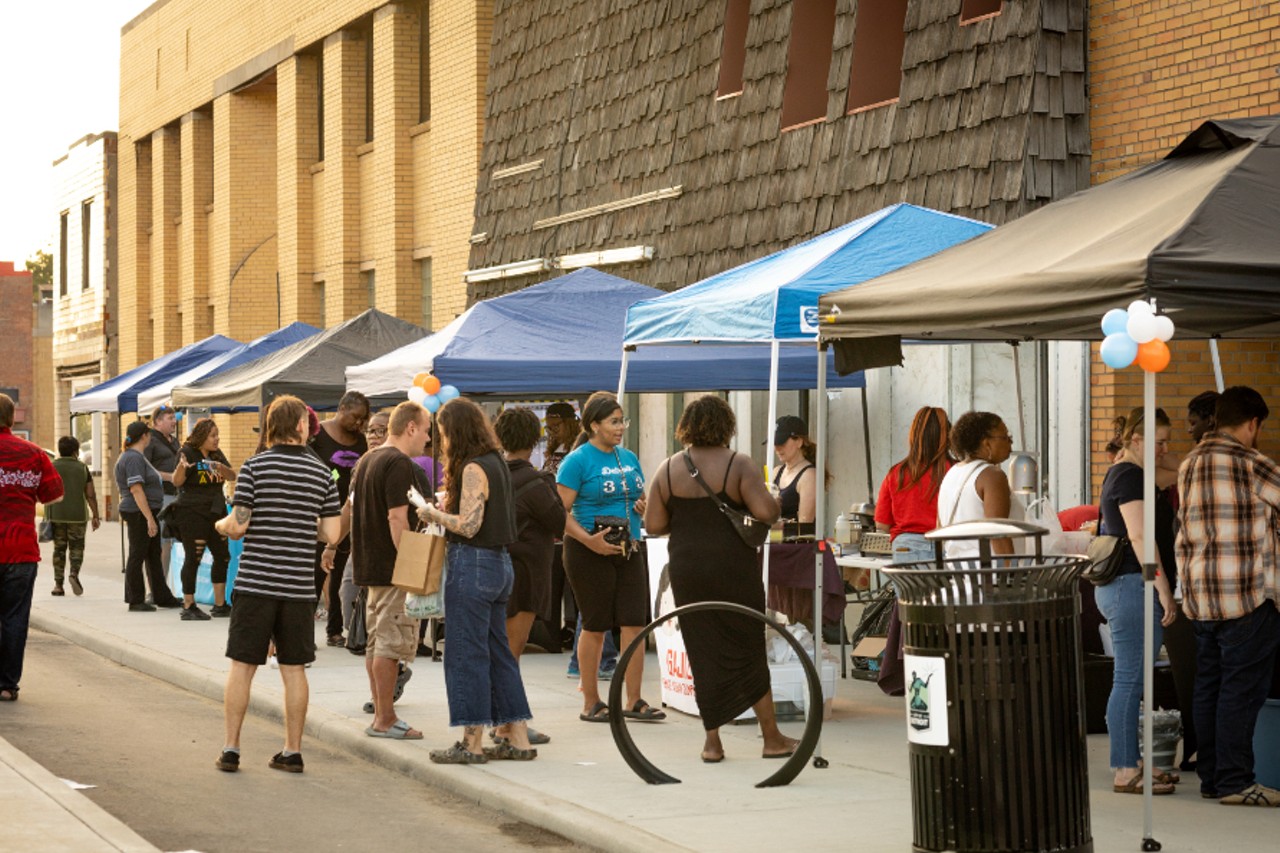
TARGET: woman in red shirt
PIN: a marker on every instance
(908, 505)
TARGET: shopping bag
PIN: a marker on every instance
(419, 561)
(357, 635)
(425, 606)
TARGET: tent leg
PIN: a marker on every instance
(774, 349)
(819, 535)
(866, 442)
(124, 556)
(1217, 365)
(1148, 592)
(622, 374)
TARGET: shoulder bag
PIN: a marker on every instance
(752, 531)
(1106, 556)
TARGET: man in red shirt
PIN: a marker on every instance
(26, 476)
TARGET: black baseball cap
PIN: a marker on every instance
(789, 426)
(561, 410)
(135, 431)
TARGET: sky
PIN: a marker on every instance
(60, 63)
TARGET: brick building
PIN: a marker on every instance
(295, 161)
(17, 352)
(84, 294)
(1156, 70)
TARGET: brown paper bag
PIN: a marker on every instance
(419, 562)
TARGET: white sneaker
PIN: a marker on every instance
(273, 663)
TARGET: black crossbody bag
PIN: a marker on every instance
(751, 530)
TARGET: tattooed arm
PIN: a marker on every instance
(235, 525)
(475, 491)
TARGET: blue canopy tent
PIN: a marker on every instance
(159, 393)
(121, 393)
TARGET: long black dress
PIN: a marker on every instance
(710, 562)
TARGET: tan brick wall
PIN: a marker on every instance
(1156, 71)
(134, 300)
(166, 213)
(297, 149)
(193, 233)
(344, 97)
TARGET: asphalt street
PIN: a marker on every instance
(148, 749)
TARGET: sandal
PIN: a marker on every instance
(1165, 776)
(505, 750)
(644, 712)
(402, 678)
(400, 730)
(456, 754)
(599, 713)
(536, 737)
(1134, 786)
(9, 694)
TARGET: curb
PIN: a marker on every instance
(518, 802)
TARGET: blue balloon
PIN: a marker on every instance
(1119, 351)
(432, 402)
(1115, 321)
(447, 393)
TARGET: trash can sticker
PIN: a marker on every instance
(926, 700)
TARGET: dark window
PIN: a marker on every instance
(320, 106)
(878, 41)
(424, 64)
(368, 83)
(733, 51)
(86, 220)
(62, 254)
(804, 95)
(972, 10)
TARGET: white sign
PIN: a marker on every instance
(809, 319)
(674, 672)
(927, 700)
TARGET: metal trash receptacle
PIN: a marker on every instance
(995, 700)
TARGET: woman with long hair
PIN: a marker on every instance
(602, 488)
(202, 469)
(1120, 601)
(482, 678)
(908, 505)
(976, 487)
(797, 478)
(710, 562)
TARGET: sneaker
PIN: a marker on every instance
(336, 640)
(228, 761)
(1254, 795)
(171, 604)
(57, 590)
(194, 614)
(606, 672)
(322, 614)
(289, 764)
(142, 608)
(220, 610)
(74, 580)
(573, 672)
(272, 662)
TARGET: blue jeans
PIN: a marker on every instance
(608, 652)
(17, 582)
(1235, 660)
(1120, 603)
(912, 548)
(481, 676)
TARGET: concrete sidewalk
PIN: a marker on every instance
(579, 786)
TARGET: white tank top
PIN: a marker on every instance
(967, 505)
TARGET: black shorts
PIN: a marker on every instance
(257, 620)
(612, 591)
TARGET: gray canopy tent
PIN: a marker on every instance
(1195, 232)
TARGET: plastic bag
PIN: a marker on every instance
(430, 606)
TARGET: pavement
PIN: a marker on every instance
(579, 786)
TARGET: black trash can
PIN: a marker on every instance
(995, 701)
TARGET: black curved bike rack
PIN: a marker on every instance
(648, 771)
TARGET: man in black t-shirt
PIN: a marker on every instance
(380, 514)
(339, 444)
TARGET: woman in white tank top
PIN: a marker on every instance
(976, 487)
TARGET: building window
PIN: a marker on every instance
(878, 41)
(804, 94)
(62, 254)
(424, 63)
(733, 50)
(976, 10)
(86, 221)
(424, 273)
(371, 287)
(320, 106)
(368, 83)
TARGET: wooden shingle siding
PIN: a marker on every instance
(618, 99)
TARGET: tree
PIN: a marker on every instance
(41, 269)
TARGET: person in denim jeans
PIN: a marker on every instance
(908, 504)
(1121, 601)
(481, 676)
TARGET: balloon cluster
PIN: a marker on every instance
(428, 393)
(1136, 335)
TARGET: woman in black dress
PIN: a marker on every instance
(710, 562)
(201, 471)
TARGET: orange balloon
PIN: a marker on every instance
(1153, 356)
(421, 379)
(431, 385)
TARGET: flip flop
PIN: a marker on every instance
(778, 754)
(643, 712)
(1134, 786)
(716, 760)
(9, 694)
(400, 730)
(599, 713)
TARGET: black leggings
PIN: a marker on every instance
(333, 626)
(199, 526)
(143, 549)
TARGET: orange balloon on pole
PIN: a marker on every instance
(431, 385)
(421, 379)
(1153, 356)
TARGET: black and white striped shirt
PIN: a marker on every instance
(288, 488)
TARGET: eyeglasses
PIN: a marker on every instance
(625, 422)
(1006, 437)
(376, 430)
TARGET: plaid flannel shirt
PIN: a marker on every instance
(1227, 548)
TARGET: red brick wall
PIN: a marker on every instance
(15, 344)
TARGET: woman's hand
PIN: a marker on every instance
(640, 506)
(153, 529)
(1169, 606)
(326, 558)
(425, 516)
(597, 543)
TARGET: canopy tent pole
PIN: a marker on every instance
(1148, 591)
(622, 374)
(124, 556)
(1217, 365)
(774, 351)
(819, 536)
(866, 444)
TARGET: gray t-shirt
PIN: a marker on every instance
(162, 452)
(133, 468)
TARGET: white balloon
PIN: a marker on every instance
(1141, 327)
(417, 395)
(1140, 306)
(1164, 327)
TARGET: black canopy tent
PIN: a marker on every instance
(1195, 231)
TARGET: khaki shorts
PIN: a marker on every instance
(391, 634)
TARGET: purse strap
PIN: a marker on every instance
(960, 495)
(697, 478)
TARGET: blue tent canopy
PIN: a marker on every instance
(121, 393)
(776, 297)
(159, 393)
(564, 336)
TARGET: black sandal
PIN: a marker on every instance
(9, 694)
(505, 750)
(599, 713)
(643, 712)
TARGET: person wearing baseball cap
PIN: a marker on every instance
(141, 493)
(796, 480)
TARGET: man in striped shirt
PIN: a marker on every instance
(1227, 556)
(285, 501)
